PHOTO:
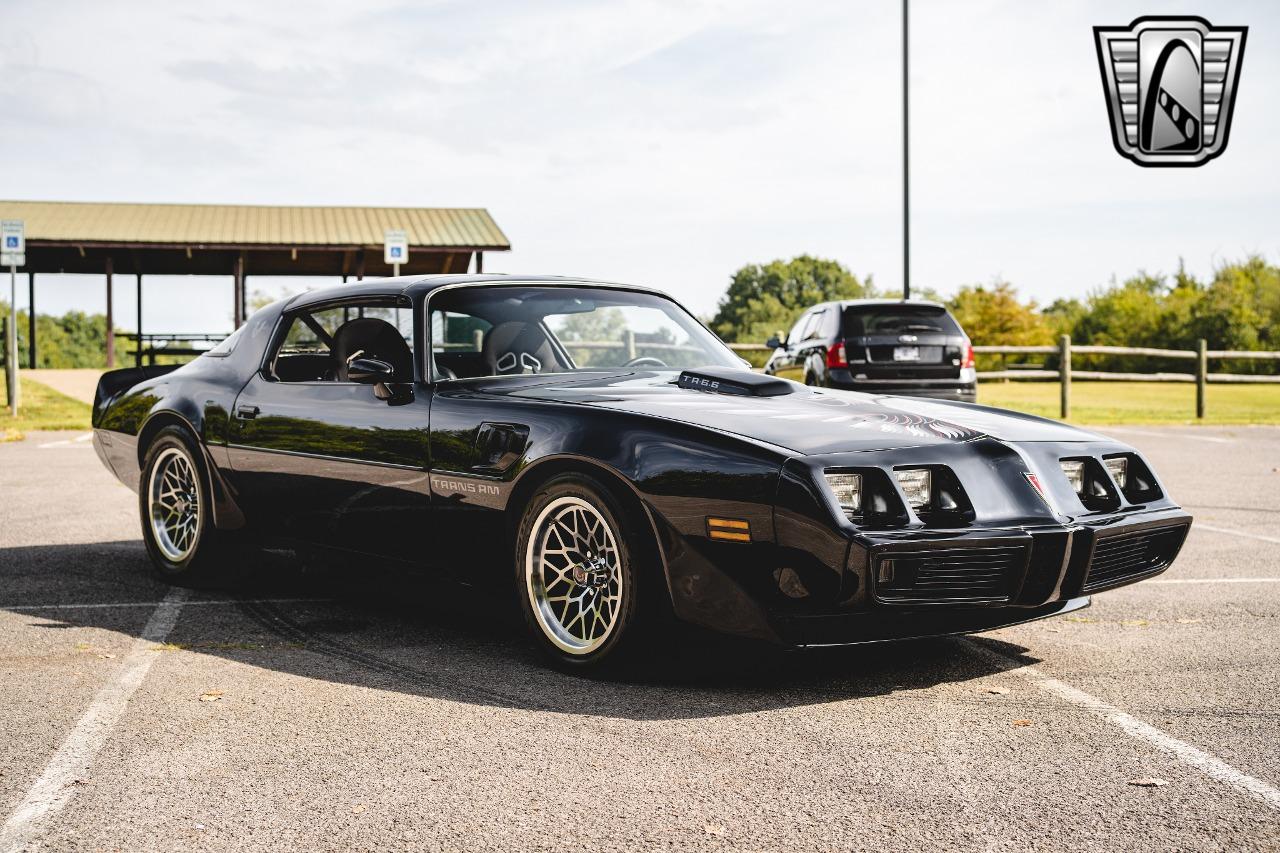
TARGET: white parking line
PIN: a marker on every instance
(1199, 525)
(1211, 438)
(1192, 756)
(56, 785)
(1214, 580)
(78, 441)
(102, 605)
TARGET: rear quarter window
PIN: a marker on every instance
(896, 320)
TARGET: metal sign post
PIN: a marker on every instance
(395, 249)
(13, 254)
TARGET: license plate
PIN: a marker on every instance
(906, 353)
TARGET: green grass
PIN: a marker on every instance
(42, 408)
(1138, 402)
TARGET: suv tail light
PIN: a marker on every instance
(967, 361)
(836, 356)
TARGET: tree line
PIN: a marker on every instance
(1237, 307)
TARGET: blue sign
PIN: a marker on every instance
(10, 241)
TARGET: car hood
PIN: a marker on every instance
(807, 421)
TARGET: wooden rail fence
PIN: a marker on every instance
(1064, 349)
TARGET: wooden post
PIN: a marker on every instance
(137, 356)
(244, 288)
(630, 339)
(1202, 375)
(31, 320)
(479, 262)
(111, 322)
(360, 267)
(1064, 374)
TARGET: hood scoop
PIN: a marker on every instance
(738, 383)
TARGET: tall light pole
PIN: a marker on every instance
(906, 169)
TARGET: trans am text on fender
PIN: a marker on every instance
(596, 449)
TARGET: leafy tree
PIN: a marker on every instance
(994, 315)
(75, 339)
(765, 299)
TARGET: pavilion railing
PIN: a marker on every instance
(172, 346)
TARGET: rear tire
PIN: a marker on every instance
(578, 587)
(176, 507)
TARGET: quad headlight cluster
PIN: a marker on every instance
(917, 487)
(1117, 468)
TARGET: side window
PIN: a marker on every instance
(457, 344)
(814, 329)
(320, 341)
(797, 331)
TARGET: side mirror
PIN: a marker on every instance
(370, 371)
(773, 343)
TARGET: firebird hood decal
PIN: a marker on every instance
(809, 421)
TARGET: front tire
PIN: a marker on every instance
(576, 580)
(174, 500)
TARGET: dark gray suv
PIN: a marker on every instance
(882, 346)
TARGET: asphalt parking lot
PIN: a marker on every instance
(331, 710)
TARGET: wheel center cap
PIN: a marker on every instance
(182, 505)
(593, 573)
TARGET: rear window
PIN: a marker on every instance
(860, 320)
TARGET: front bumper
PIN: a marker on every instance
(970, 581)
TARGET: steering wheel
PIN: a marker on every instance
(645, 361)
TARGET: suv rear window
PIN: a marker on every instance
(863, 320)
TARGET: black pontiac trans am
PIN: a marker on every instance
(595, 450)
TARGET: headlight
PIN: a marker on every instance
(848, 491)
(1118, 468)
(1074, 469)
(917, 485)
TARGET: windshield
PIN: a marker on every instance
(506, 330)
(860, 321)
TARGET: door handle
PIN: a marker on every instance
(246, 412)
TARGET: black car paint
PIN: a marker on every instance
(806, 360)
(438, 478)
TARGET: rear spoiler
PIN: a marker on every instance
(113, 383)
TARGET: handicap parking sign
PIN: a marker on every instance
(11, 241)
(395, 246)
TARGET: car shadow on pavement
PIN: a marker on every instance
(420, 636)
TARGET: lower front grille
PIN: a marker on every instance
(977, 575)
(1128, 556)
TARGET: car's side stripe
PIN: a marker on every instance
(348, 459)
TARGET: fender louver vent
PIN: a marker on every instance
(742, 383)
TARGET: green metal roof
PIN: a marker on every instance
(103, 223)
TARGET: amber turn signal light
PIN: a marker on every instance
(729, 529)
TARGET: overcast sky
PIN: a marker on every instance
(663, 143)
